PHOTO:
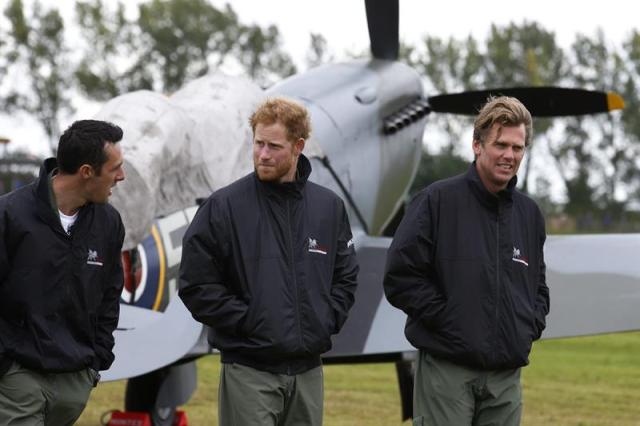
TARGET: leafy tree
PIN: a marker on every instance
(179, 38)
(318, 53)
(110, 64)
(4, 60)
(434, 167)
(630, 114)
(36, 51)
(595, 160)
(259, 51)
(171, 42)
(515, 55)
(594, 157)
(448, 66)
(524, 55)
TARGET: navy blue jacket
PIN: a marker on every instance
(271, 269)
(467, 267)
(59, 293)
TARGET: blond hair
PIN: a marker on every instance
(506, 111)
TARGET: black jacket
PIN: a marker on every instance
(59, 293)
(467, 267)
(271, 268)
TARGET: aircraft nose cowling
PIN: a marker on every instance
(180, 148)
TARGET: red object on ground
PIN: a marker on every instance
(180, 419)
(122, 418)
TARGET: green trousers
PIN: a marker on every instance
(31, 398)
(447, 394)
(250, 397)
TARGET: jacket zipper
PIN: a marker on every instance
(69, 264)
(293, 274)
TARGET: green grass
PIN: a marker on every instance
(584, 381)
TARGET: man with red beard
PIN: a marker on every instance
(466, 265)
(268, 263)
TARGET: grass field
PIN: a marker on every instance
(586, 381)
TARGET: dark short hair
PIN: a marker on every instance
(83, 143)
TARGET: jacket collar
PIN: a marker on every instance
(294, 188)
(483, 194)
(47, 170)
(47, 206)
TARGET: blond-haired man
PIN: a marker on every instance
(466, 265)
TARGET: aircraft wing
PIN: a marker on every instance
(374, 327)
(147, 340)
(594, 281)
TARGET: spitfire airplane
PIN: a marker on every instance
(368, 119)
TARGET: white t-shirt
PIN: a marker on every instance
(67, 221)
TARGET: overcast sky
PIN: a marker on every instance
(343, 24)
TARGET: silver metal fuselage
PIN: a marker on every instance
(348, 104)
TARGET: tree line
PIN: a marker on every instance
(594, 158)
(45, 62)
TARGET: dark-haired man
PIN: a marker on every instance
(268, 263)
(60, 279)
(466, 265)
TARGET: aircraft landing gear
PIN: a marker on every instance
(160, 392)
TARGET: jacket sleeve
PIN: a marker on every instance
(202, 280)
(109, 310)
(4, 255)
(4, 258)
(542, 296)
(410, 279)
(345, 272)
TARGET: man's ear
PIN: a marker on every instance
(86, 171)
(476, 147)
(298, 146)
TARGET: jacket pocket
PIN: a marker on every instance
(317, 336)
(248, 326)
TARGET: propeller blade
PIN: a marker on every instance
(382, 18)
(540, 101)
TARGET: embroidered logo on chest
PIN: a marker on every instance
(519, 257)
(316, 247)
(94, 259)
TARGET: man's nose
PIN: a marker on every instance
(264, 153)
(508, 153)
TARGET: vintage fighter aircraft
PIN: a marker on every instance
(368, 118)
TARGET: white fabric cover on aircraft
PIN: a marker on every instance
(182, 147)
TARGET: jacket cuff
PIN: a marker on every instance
(5, 364)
